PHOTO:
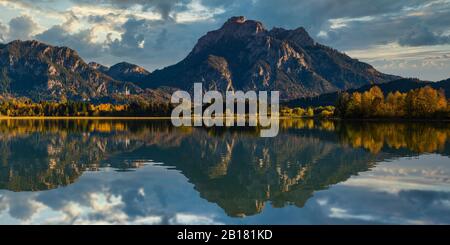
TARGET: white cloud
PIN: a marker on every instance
(426, 62)
(192, 219)
(340, 213)
(197, 12)
(409, 174)
(344, 22)
(322, 34)
(3, 32)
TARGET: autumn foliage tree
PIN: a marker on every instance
(15, 107)
(424, 102)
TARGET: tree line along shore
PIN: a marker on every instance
(421, 103)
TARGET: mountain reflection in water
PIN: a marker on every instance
(147, 171)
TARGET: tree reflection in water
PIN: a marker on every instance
(232, 167)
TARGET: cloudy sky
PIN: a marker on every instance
(404, 37)
(392, 192)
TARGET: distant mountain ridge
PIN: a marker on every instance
(43, 72)
(402, 85)
(243, 55)
(123, 71)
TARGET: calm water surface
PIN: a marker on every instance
(147, 172)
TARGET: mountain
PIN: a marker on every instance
(243, 55)
(445, 85)
(123, 71)
(402, 85)
(43, 72)
(98, 67)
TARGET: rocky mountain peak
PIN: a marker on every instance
(30, 43)
(126, 67)
(41, 71)
(236, 19)
(125, 71)
(236, 28)
(298, 36)
(38, 51)
(243, 55)
(241, 26)
(98, 67)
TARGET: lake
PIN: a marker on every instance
(148, 172)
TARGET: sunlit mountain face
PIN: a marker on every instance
(147, 172)
(405, 38)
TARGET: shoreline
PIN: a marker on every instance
(169, 118)
(82, 118)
